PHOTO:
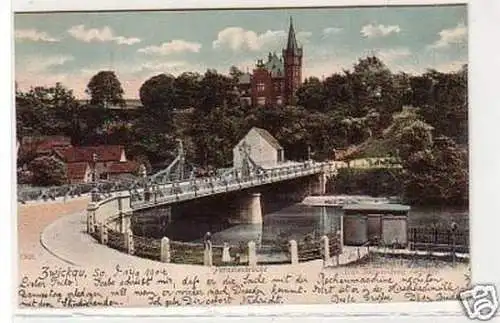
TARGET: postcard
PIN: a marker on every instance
(177, 158)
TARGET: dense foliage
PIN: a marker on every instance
(361, 107)
(374, 182)
(105, 89)
(48, 171)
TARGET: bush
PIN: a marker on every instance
(374, 182)
(48, 171)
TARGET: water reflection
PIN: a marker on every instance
(294, 222)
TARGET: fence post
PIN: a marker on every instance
(104, 233)
(90, 222)
(294, 254)
(325, 245)
(129, 242)
(252, 254)
(207, 254)
(165, 250)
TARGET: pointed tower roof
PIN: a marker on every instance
(292, 41)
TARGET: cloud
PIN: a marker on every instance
(36, 64)
(451, 66)
(174, 46)
(105, 34)
(372, 31)
(237, 38)
(34, 35)
(392, 54)
(451, 36)
(332, 31)
(130, 75)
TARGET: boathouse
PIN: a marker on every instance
(375, 223)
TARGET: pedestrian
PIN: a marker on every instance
(207, 240)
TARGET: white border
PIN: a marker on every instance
(485, 171)
(67, 5)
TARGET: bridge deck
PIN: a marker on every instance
(189, 190)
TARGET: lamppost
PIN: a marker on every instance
(144, 174)
(93, 166)
(95, 191)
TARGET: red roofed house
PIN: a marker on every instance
(43, 145)
(86, 164)
(79, 172)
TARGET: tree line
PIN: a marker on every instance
(205, 111)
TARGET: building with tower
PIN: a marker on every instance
(275, 81)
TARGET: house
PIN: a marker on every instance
(103, 162)
(43, 145)
(79, 172)
(262, 148)
(276, 80)
(122, 170)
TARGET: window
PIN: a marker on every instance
(280, 155)
(260, 87)
(261, 100)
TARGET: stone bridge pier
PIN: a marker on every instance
(250, 209)
(245, 206)
(317, 184)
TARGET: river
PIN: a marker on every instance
(293, 222)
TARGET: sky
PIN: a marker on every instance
(71, 47)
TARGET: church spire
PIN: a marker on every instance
(292, 41)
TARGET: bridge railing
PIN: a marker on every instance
(177, 191)
(167, 251)
(105, 222)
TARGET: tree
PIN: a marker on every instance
(216, 90)
(409, 133)
(46, 111)
(154, 129)
(437, 176)
(158, 96)
(235, 72)
(443, 100)
(373, 87)
(48, 171)
(310, 95)
(187, 86)
(105, 89)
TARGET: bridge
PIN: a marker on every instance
(168, 190)
(233, 193)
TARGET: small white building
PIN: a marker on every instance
(262, 148)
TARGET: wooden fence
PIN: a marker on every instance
(438, 239)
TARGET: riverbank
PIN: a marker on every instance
(65, 225)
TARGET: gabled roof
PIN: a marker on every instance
(76, 171)
(275, 65)
(85, 154)
(129, 166)
(268, 137)
(44, 144)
